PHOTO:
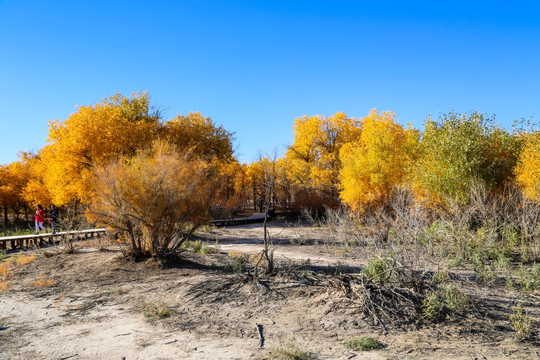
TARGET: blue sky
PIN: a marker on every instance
(254, 66)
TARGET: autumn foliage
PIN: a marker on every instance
(128, 165)
(460, 151)
(381, 160)
(527, 170)
(154, 199)
(313, 160)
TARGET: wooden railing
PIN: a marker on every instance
(20, 241)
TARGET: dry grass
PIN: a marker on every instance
(43, 282)
(4, 285)
(236, 254)
(24, 260)
(5, 269)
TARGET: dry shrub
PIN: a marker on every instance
(154, 200)
(4, 285)
(43, 282)
(101, 242)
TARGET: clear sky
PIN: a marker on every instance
(254, 66)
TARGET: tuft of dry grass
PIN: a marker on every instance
(43, 282)
(5, 269)
(4, 285)
(236, 254)
(24, 260)
(155, 310)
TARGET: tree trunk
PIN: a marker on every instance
(5, 216)
(269, 257)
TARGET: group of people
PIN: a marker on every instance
(40, 219)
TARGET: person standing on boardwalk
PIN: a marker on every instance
(54, 219)
(40, 219)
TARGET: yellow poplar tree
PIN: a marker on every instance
(314, 155)
(33, 168)
(378, 162)
(94, 136)
(199, 134)
(527, 169)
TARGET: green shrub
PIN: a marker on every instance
(290, 351)
(432, 308)
(454, 299)
(521, 323)
(199, 247)
(192, 245)
(364, 343)
(529, 278)
(238, 265)
(447, 301)
(503, 262)
(377, 269)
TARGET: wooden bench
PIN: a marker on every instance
(20, 241)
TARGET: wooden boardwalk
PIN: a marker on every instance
(255, 218)
(20, 241)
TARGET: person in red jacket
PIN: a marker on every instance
(40, 219)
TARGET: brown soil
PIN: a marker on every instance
(97, 308)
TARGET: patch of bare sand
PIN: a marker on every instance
(94, 313)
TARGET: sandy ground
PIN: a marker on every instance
(97, 308)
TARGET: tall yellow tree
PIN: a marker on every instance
(314, 155)
(95, 135)
(199, 134)
(8, 194)
(527, 170)
(33, 169)
(379, 162)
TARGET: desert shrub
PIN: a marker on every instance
(364, 343)
(340, 226)
(117, 291)
(290, 351)
(155, 311)
(528, 278)
(521, 323)
(378, 269)
(209, 249)
(192, 245)
(199, 247)
(155, 200)
(446, 301)
(238, 264)
(432, 307)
